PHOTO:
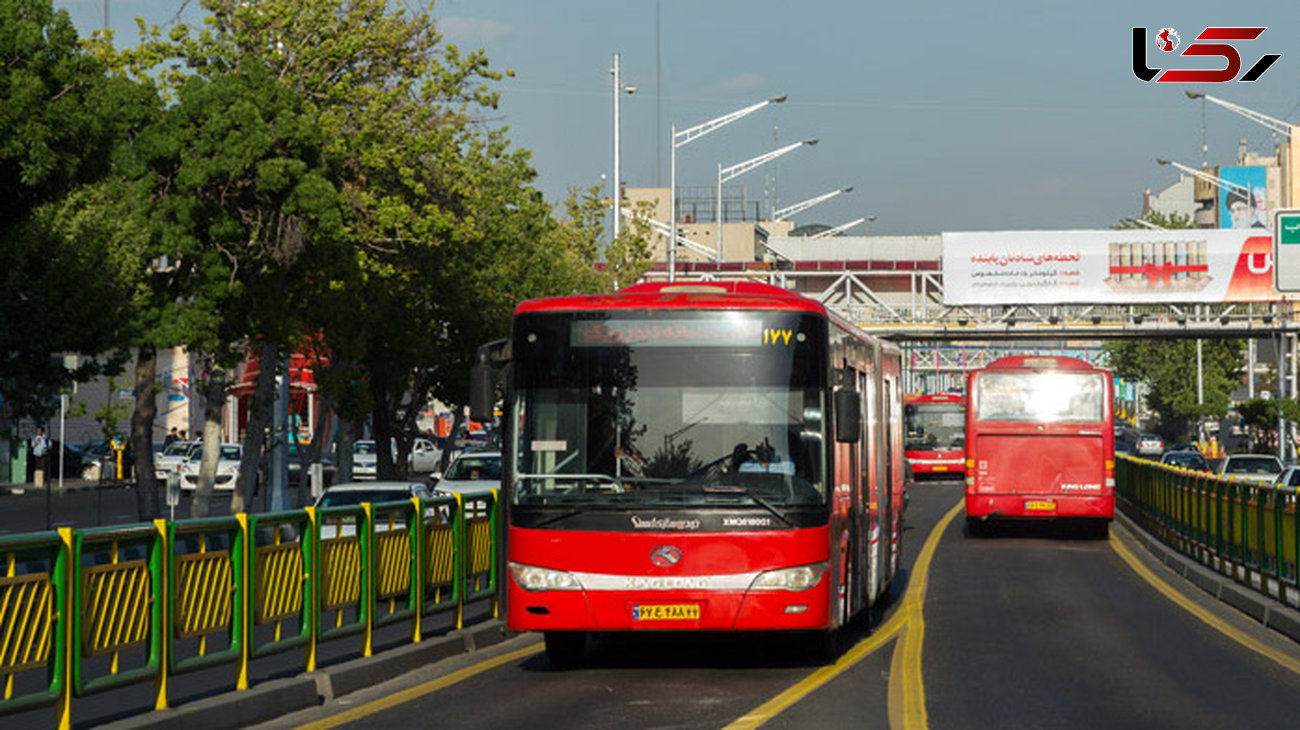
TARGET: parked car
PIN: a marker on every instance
(227, 468)
(365, 458)
(1289, 479)
(471, 471)
(1185, 459)
(355, 493)
(1257, 468)
(1149, 444)
(172, 457)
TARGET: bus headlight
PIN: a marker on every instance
(789, 579)
(534, 579)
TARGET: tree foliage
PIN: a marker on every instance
(1168, 367)
(61, 118)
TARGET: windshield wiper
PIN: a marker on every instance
(760, 501)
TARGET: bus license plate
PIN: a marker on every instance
(1040, 506)
(941, 468)
(666, 612)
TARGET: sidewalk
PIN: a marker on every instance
(69, 485)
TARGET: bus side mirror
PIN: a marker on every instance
(482, 393)
(848, 416)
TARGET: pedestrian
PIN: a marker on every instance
(40, 447)
(171, 437)
(182, 434)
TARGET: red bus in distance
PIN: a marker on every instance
(696, 457)
(935, 434)
(1040, 442)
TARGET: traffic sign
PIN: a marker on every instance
(1286, 250)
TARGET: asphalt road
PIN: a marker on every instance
(1027, 628)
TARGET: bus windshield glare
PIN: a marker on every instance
(1042, 397)
(669, 408)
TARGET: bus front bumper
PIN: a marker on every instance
(582, 610)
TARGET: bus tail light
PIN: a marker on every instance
(1110, 473)
(532, 578)
(800, 578)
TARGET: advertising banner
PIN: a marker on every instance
(1246, 207)
(1109, 267)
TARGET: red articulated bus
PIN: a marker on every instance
(1040, 442)
(696, 457)
(935, 434)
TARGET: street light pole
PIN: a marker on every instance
(738, 169)
(783, 213)
(619, 89)
(681, 139)
(841, 228)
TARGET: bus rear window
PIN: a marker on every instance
(1041, 397)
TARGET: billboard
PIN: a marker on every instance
(1108, 267)
(1246, 206)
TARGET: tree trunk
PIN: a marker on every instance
(147, 504)
(214, 401)
(382, 426)
(343, 446)
(259, 418)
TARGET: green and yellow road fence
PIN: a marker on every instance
(88, 611)
(1238, 528)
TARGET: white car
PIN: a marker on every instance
(471, 471)
(355, 493)
(227, 468)
(1149, 444)
(172, 457)
(365, 458)
(1254, 468)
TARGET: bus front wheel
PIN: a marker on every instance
(565, 648)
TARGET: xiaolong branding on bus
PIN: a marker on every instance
(1121, 267)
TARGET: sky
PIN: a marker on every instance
(943, 115)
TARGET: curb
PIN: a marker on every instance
(1267, 611)
(278, 697)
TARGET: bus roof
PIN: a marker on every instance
(1038, 362)
(681, 295)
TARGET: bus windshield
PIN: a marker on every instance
(935, 426)
(669, 408)
(1041, 397)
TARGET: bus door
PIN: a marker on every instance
(890, 506)
(872, 483)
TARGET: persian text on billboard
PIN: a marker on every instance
(1128, 267)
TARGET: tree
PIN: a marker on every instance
(61, 118)
(444, 230)
(1171, 384)
(237, 196)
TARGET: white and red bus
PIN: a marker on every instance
(1040, 442)
(934, 428)
(696, 457)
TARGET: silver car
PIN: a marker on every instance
(472, 471)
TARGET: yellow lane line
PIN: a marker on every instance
(1210, 619)
(421, 690)
(882, 635)
(911, 715)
